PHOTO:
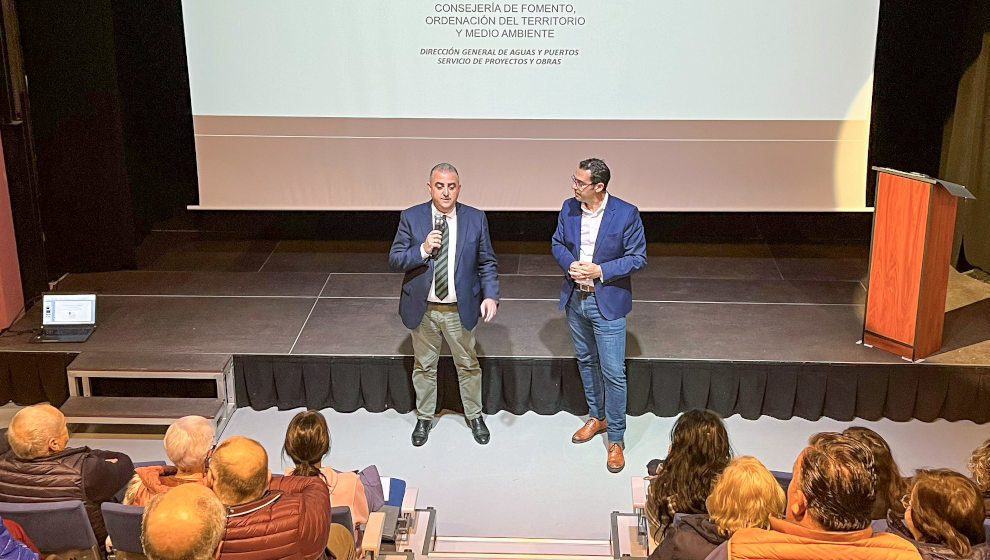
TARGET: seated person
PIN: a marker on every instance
(187, 442)
(891, 486)
(943, 517)
(40, 468)
(828, 511)
(745, 495)
(699, 450)
(15, 530)
(12, 548)
(186, 524)
(268, 518)
(307, 442)
(979, 467)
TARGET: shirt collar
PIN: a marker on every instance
(601, 208)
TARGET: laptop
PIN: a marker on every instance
(67, 317)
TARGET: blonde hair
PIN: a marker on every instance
(187, 442)
(745, 495)
(979, 465)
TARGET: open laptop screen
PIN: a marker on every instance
(68, 309)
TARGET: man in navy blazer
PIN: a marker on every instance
(450, 283)
(599, 243)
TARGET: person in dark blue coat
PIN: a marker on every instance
(599, 243)
(450, 283)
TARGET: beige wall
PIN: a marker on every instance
(308, 163)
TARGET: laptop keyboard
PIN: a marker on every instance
(67, 331)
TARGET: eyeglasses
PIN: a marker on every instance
(580, 184)
(906, 501)
(209, 455)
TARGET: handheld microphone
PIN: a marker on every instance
(439, 223)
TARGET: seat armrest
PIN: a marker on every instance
(371, 543)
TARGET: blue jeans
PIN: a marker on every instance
(600, 348)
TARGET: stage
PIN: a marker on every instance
(745, 328)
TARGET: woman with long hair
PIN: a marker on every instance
(891, 486)
(307, 443)
(699, 450)
(745, 495)
(944, 517)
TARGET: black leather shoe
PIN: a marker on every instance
(421, 432)
(479, 430)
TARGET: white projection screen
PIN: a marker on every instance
(696, 105)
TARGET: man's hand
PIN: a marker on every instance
(488, 309)
(584, 270)
(433, 240)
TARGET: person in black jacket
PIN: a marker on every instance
(40, 468)
(745, 495)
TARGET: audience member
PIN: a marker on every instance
(40, 468)
(13, 549)
(268, 518)
(187, 442)
(16, 531)
(307, 442)
(745, 495)
(891, 486)
(699, 450)
(186, 524)
(979, 467)
(944, 517)
(828, 510)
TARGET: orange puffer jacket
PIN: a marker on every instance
(788, 541)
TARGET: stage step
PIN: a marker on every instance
(137, 410)
(83, 407)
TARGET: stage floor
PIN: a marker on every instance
(693, 302)
(745, 328)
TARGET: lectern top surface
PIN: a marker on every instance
(954, 189)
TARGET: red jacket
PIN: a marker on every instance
(291, 520)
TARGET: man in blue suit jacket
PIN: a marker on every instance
(450, 283)
(599, 243)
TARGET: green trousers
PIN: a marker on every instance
(441, 321)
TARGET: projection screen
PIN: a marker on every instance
(696, 105)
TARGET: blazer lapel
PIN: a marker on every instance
(573, 227)
(603, 229)
(462, 237)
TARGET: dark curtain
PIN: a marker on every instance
(966, 145)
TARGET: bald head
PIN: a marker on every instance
(185, 523)
(239, 468)
(37, 431)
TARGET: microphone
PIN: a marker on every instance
(439, 223)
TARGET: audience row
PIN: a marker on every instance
(220, 501)
(703, 505)
(223, 501)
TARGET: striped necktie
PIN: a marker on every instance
(440, 269)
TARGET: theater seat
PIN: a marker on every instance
(783, 478)
(60, 528)
(124, 525)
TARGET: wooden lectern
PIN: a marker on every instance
(913, 220)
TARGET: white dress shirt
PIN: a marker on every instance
(591, 222)
(451, 251)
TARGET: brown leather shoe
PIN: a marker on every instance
(616, 461)
(591, 428)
